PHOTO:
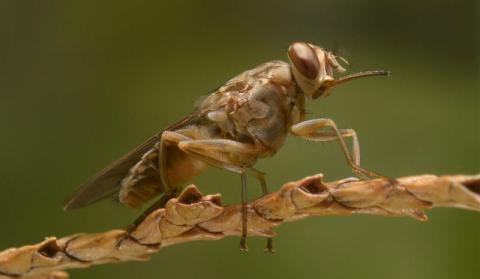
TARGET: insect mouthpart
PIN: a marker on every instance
(329, 84)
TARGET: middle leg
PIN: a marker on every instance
(261, 177)
(230, 155)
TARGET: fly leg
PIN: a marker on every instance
(261, 177)
(225, 154)
(311, 130)
(243, 240)
(170, 192)
(158, 204)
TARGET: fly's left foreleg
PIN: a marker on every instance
(314, 130)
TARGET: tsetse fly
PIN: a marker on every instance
(247, 118)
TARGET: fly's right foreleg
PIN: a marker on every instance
(314, 130)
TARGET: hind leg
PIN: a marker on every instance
(170, 192)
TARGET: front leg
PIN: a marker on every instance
(312, 130)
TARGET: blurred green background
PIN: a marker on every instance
(81, 82)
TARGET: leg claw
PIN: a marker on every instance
(269, 247)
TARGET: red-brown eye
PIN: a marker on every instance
(304, 59)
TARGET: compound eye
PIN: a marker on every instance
(304, 59)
